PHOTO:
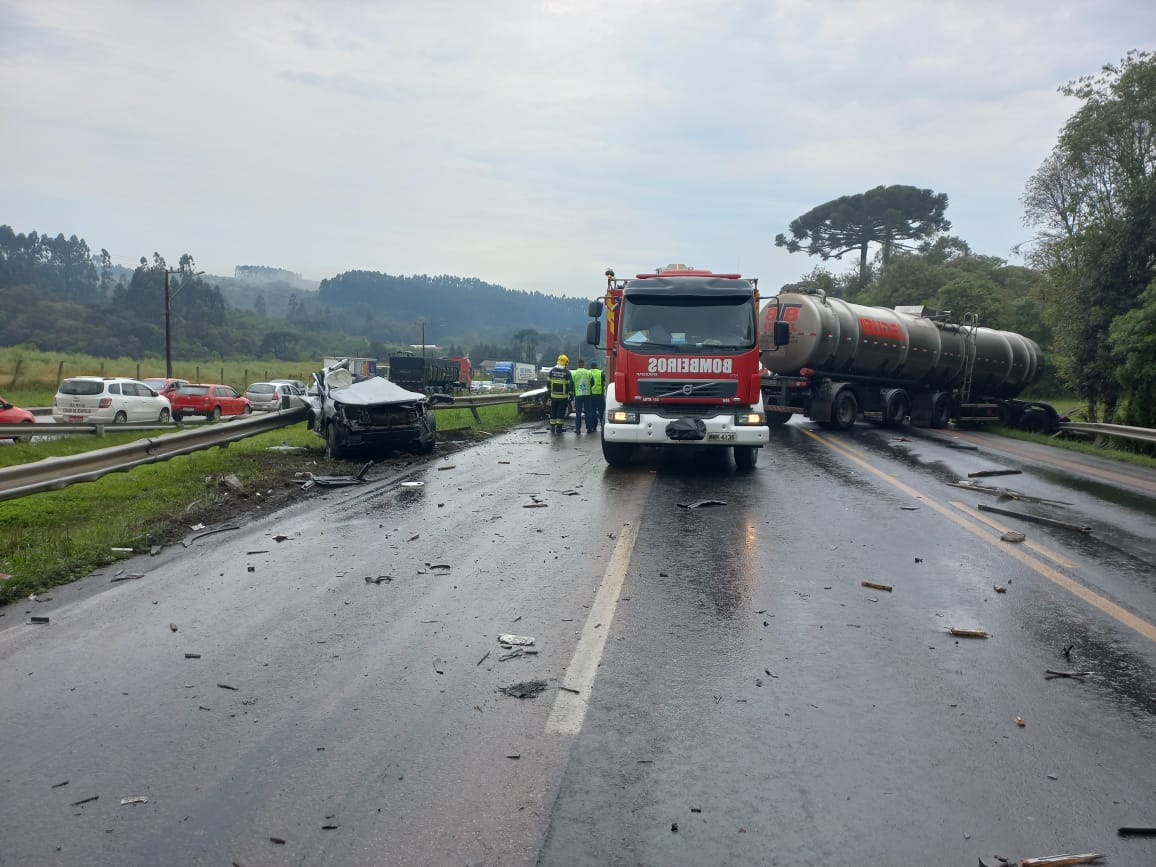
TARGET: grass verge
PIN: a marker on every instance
(55, 537)
(1112, 449)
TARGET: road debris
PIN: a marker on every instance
(59, 785)
(1012, 536)
(521, 640)
(513, 654)
(1132, 831)
(701, 504)
(38, 620)
(438, 567)
(535, 505)
(137, 799)
(414, 537)
(413, 484)
(981, 474)
(307, 480)
(1060, 860)
(1050, 522)
(226, 686)
(1020, 722)
(439, 666)
(1051, 674)
(280, 841)
(121, 550)
(193, 537)
(514, 756)
(445, 467)
(85, 801)
(967, 633)
(128, 576)
(875, 586)
(172, 627)
(999, 588)
(378, 579)
(485, 656)
(192, 656)
(1006, 493)
(524, 689)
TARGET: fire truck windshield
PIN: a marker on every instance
(688, 323)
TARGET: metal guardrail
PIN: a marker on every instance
(1141, 434)
(52, 474)
(43, 430)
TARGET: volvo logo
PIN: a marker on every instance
(688, 388)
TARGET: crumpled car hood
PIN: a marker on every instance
(375, 390)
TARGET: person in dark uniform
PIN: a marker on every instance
(559, 388)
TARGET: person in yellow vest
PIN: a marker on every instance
(560, 388)
(597, 394)
(582, 406)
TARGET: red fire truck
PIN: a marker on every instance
(682, 363)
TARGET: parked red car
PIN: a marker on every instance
(212, 400)
(164, 386)
(10, 414)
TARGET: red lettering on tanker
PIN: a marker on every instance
(880, 328)
(689, 364)
(790, 313)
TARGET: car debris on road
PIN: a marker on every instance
(522, 640)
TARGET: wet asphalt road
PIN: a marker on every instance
(751, 702)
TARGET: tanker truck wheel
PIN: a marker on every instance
(746, 457)
(1033, 421)
(778, 419)
(844, 410)
(940, 410)
(897, 409)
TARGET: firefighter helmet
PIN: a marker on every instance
(563, 359)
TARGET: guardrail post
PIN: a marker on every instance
(474, 410)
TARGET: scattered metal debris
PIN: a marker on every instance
(192, 656)
(439, 666)
(569, 690)
(278, 840)
(535, 505)
(226, 686)
(1060, 860)
(1006, 493)
(875, 586)
(38, 620)
(172, 627)
(137, 799)
(1051, 522)
(701, 504)
(522, 640)
(446, 467)
(999, 588)
(59, 785)
(85, 801)
(485, 656)
(1051, 674)
(439, 567)
(1012, 536)
(985, 473)
(525, 689)
(414, 537)
(1132, 831)
(513, 654)
(378, 579)
(130, 576)
(280, 537)
(968, 633)
(192, 537)
(122, 550)
(413, 484)
(1020, 722)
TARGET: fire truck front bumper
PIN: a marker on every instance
(643, 426)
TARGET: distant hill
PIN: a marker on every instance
(457, 305)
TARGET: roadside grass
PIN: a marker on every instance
(1108, 447)
(55, 537)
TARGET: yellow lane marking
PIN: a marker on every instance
(1117, 613)
(976, 515)
(570, 707)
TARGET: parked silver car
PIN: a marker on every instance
(275, 394)
(108, 400)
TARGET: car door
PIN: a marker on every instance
(136, 402)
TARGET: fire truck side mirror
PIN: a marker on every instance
(594, 332)
(594, 309)
(782, 333)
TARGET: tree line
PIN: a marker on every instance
(1088, 292)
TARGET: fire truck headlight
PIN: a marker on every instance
(750, 418)
(622, 416)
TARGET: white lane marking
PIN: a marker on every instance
(569, 707)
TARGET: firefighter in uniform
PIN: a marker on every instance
(560, 388)
(597, 394)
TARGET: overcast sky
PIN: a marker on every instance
(529, 144)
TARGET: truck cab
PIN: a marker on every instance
(682, 363)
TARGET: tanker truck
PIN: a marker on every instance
(843, 360)
(682, 363)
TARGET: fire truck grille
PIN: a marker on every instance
(688, 388)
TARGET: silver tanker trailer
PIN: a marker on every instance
(846, 359)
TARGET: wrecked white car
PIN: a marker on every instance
(371, 414)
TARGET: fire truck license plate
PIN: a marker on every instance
(721, 437)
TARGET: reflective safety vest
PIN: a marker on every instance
(560, 383)
(595, 380)
(581, 382)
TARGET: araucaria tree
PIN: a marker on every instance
(885, 215)
(1093, 205)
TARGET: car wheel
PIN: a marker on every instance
(215, 415)
(335, 443)
(23, 438)
(163, 418)
(248, 409)
(120, 418)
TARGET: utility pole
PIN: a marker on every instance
(183, 269)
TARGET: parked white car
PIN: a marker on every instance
(109, 400)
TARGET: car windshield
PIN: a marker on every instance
(688, 322)
(82, 386)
